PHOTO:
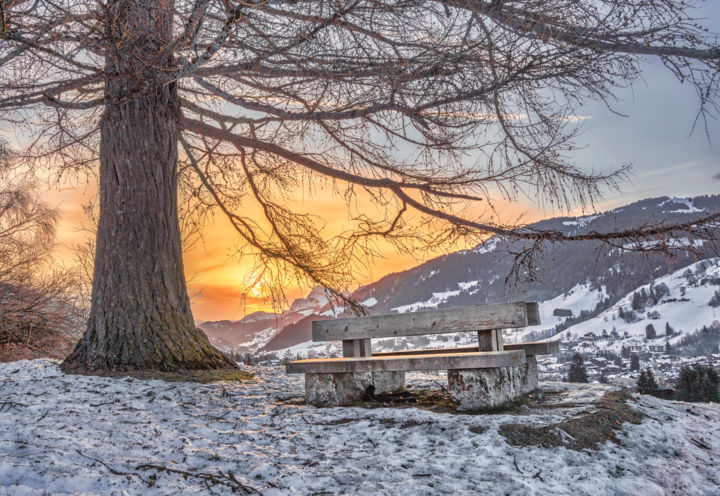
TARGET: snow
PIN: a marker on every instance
(333, 312)
(581, 221)
(580, 297)
(685, 316)
(78, 435)
(671, 243)
(688, 202)
(261, 338)
(435, 300)
(370, 302)
(468, 284)
(489, 245)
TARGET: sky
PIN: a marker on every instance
(656, 138)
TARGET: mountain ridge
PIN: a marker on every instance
(477, 275)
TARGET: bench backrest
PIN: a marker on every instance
(476, 318)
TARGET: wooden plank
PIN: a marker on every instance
(481, 317)
(365, 348)
(356, 348)
(536, 348)
(486, 340)
(490, 340)
(432, 351)
(499, 345)
(445, 361)
(533, 313)
(351, 347)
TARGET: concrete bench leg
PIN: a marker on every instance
(388, 382)
(349, 388)
(476, 389)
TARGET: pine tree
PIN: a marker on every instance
(634, 362)
(650, 332)
(668, 329)
(646, 383)
(624, 352)
(636, 303)
(715, 300)
(577, 372)
(698, 383)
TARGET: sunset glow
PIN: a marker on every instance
(221, 284)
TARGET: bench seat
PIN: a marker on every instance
(405, 362)
(531, 348)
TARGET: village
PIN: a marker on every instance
(607, 366)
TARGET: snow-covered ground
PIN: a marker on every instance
(64, 434)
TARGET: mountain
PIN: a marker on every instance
(479, 275)
(258, 329)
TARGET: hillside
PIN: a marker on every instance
(479, 276)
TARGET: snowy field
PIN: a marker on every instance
(84, 435)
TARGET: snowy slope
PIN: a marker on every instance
(76, 435)
(685, 308)
(582, 297)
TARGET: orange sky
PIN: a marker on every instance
(215, 274)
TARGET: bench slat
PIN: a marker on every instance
(534, 348)
(475, 318)
(400, 363)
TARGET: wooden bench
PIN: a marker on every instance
(478, 376)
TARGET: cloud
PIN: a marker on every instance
(716, 176)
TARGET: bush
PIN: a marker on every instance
(698, 383)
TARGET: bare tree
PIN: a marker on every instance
(38, 302)
(424, 106)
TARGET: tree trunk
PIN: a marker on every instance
(140, 315)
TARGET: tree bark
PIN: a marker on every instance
(140, 315)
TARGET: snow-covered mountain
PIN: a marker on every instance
(662, 312)
(572, 278)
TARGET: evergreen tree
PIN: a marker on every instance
(577, 372)
(624, 352)
(668, 348)
(637, 301)
(650, 331)
(634, 362)
(698, 383)
(715, 300)
(668, 329)
(646, 383)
